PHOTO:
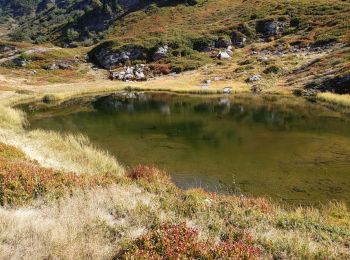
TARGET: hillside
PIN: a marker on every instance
(66, 21)
(176, 36)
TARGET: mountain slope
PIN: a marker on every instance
(65, 21)
(175, 35)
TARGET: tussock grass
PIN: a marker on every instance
(335, 99)
(86, 225)
(73, 152)
(70, 152)
(11, 118)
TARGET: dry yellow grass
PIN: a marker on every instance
(11, 118)
(335, 99)
(81, 226)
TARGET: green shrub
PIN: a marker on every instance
(272, 70)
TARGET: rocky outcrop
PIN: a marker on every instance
(223, 42)
(338, 84)
(109, 58)
(7, 51)
(226, 54)
(270, 27)
(160, 53)
(139, 72)
(4, 48)
(204, 44)
(238, 39)
(59, 65)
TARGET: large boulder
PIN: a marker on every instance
(270, 27)
(204, 44)
(4, 48)
(224, 55)
(160, 53)
(223, 42)
(110, 58)
(238, 39)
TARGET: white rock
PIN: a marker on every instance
(255, 77)
(161, 53)
(129, 76)
(140, 75)
(227, 90)
(223, 55)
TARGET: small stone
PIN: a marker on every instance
(207, 81)
(255, 77)
(227, 90)
(263, 59)
(53, 66)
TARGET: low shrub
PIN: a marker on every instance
(10, 152)
(162, 69)
(21, 182)
(181, 242)
(324, 40)
(148, 173)
(272, 70)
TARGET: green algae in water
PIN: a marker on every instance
(281, 147)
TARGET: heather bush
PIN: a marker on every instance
(21, 182)
(181, 242)
(162, 69)
(148, 173)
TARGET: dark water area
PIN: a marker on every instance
(285, 148)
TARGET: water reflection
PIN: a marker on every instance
(285, 149)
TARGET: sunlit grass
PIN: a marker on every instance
(335, 99)
(11, 118)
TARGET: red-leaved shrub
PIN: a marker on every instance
(21, 181)
(148, 173)
(181, 242)
(163, 69)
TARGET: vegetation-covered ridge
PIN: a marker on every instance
(139, 213)
(262, 44)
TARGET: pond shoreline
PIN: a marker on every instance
(157, 201)
(230, 122)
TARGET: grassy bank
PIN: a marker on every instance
(63, 198)
(335, 99)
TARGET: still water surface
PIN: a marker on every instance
(286, 148)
